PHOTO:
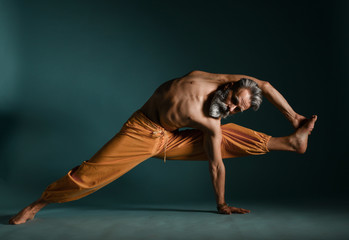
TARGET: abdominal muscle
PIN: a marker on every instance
(164, 113)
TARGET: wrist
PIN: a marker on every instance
(221, 205)
(291, 116)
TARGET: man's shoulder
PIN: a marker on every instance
(202, 74)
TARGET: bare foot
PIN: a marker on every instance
(299, 139)
(28, 213)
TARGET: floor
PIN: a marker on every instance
(183, 221)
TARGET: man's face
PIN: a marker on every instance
(238, 101)
(228, 102)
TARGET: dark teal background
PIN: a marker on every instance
(73, 71)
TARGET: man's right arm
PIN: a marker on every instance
(212, 140)
(212, 147)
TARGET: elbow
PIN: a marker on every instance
(265, 84)
(215, 167)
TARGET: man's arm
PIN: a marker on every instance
(273, 96)
(269, 92)
(212, 146)
(212, 134)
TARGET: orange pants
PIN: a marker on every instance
(140, 139)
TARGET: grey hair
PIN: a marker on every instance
(256, 92)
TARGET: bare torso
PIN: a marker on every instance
(182, 102)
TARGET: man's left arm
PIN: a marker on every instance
(275, 97)
(269, 92)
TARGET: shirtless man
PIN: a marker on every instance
(197, 100)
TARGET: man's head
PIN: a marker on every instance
(235, 97)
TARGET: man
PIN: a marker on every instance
(197, 100)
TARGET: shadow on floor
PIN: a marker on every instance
(4, 219)
(163, 210)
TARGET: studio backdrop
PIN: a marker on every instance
(72, 72)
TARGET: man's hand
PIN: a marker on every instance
(299, 121)
(225, 209)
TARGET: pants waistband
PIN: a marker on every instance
(148, 121)
(157, 130)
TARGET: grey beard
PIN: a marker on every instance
(218, 108)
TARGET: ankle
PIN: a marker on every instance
(292, 143)
(38, 204)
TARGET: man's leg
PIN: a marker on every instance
(296, 142)
(237, 141)
(134, 144)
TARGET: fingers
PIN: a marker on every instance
(239, 210)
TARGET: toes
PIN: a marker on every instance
(19, 219)
(13, 222)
